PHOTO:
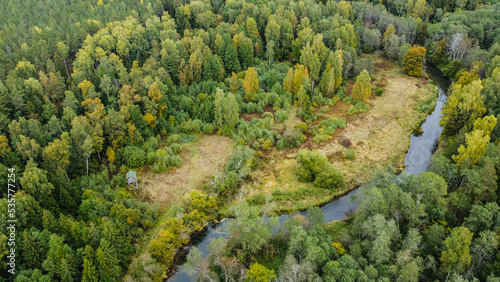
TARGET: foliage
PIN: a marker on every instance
(362, 87)
(413, 60)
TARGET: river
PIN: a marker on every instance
(416, 161)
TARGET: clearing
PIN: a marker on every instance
(380, 137)
(201, 159)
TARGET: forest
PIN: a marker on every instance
(247, 109)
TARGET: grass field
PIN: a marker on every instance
(380, 137)
(201, 159)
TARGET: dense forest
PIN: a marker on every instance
(92, 89)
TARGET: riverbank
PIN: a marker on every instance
(379, 137)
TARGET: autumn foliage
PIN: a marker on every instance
(413, 60)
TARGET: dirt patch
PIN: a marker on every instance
(200, 160)
(250, 117)
(384, 64)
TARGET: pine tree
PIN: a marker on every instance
(246, 53)
(31, 251)
(107, 261)
(413, 60)
(90, 273)
(362, 87)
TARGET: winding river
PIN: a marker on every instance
(416, 160)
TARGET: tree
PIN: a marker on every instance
(107, 261)
(439, 54)
(234, 83)
(288, 81)
(31, 251)
(251, 27)
(36, 183)
(465, 104)
(362, 87)
(231, 61)
(231, 111)
(456, 257)
(259, 273)
(251, 81)
(329, 177)
(413, 60)
(270, 52)
(56, 155)
(310, 163)
(246, 53)
(312, 62)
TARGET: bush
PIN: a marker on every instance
(329, 177)
(293, 139)
(310, 164)
(350, 154)
(258, 199)
(208, 129)
(134, 157)
(280, 144)
(346, 142)
(379, 91)
(174, 138)
(359, 107)
(267, 115)
(302, 127)
(281, 116)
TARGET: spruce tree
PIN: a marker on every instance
(231, 61)
(31, 251)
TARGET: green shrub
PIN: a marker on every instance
(258, 199)
(359, 107)
(302, 127)
(135, 157)
(329, 177)
(267, 115)
(251, 107)
(281, 116)
(310, 164)
(174, 138)
(280, 144)
(320, 138)
(350, 154)
(150, 157)
(208, 128)
(293, 139)
(379, 91)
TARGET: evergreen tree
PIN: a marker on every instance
(231, 61)
(107, 261)
(31, 251)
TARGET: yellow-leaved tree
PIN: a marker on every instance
(464, 104)
(476, 142)
(413, 60)
(362, 88)
(251, 82)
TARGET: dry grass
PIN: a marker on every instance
(380, 137)
(200, 159)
